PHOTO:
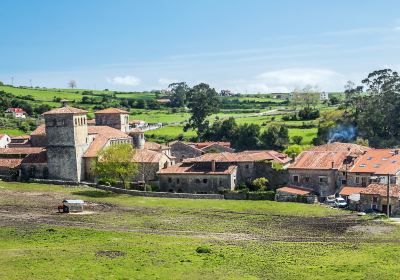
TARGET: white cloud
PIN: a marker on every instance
(166, 81)
(124, 80)
(299, 77)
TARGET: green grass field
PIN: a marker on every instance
(12, 132)
(123, 237)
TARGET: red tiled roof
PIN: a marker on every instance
(190, 168)
(15, 110)
(107, 131)
(202, 145)
(381, 189)
(319, 160)
(378, 161)
(40, 130)
(10, 162)
(295, 190)
(65, 110)
(246, 156)
(154, 146)
(111, 111)
(341, 147)
(346, 190)
(21, 150)
(96, 146)
(143, 155)
(36, 158)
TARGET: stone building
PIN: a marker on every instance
(218, 173)
(199, 178)
(183, 150)
(319, 168)
(67, 141)
(374, 197)
(375, 165)
(113, 117)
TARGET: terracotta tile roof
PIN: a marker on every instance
(102, 135)
(107, 131)
(202, 145)
(10, 162)
(65, 110)
(96, 146)
(20, 137)
(319, 160)
(246, 156)
(191, 168)
(20, 150)
(15, 110)
(341, 147)
(154, 146)
(378, 161)
(346, 190)
(91, 122)
(143, 155)
(380, 189)
(111, 111)
(40, 130)
(295, 190)
(36, 158)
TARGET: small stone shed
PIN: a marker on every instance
(295, 194)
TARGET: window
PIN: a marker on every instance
(169, 180)
(197, 181)
(357, 180)
(296, 178)
(344, 182)
(205, 181)
(323, 179)
(306, 179)
(177, 180)
(375, 199)
(246, 166)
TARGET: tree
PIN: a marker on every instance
(293, 150)
(115, 163)
(202, 102)
(276, 137)
(178, 94)
(246, 137)
(260, 184)
(72, 84)
(297, 139)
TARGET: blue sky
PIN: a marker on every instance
(246, 46)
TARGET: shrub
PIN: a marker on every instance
(203, 250)
(260, 184)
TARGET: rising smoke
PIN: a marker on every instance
(342, 133)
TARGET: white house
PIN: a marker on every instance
(324, 96)
(16, 113)
(4, 141)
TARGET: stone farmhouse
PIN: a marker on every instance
(183, 150)
(322, 168)
(65, 146)
(374, 197)
(215, 172)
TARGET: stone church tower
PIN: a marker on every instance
(113, 117)
(67, 134)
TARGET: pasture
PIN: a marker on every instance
(123, 237)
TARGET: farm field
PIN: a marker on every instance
(123, 237)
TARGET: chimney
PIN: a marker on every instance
(64, 102)
(396, 151)
(213, 165)
(333, 164)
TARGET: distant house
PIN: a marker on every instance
(5, 140)
(16, 113)
(323, 96)
(374, 197)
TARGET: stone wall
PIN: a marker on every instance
(182, 151)
(117, 120)
(366, 202)
(197, 183)
(311, 179)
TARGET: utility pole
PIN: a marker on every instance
(388, 197)
(12, 81)
(30, 81)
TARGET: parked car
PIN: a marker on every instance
(340, 202)
(330, 201)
